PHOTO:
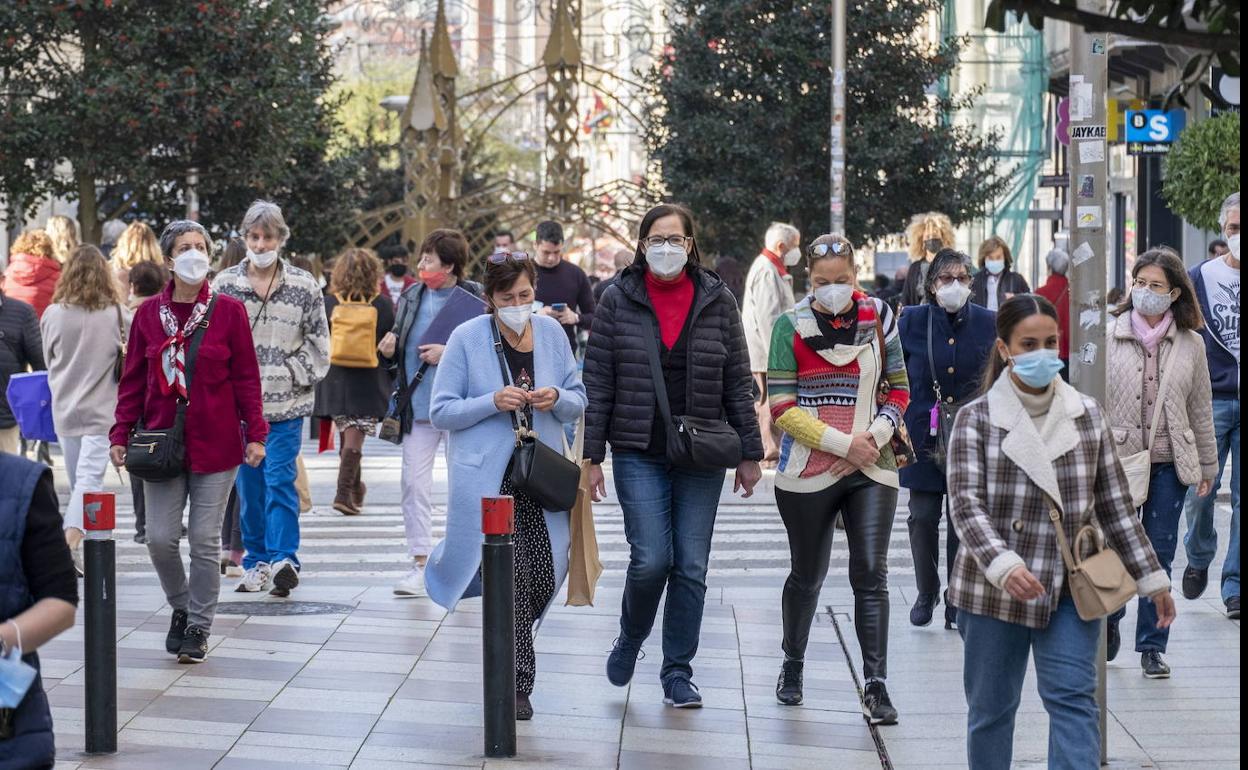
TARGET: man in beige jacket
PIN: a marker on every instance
(768, 295)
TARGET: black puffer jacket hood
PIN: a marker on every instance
(622, 405)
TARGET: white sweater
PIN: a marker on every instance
(81, 347)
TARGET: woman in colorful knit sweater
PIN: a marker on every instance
(837, 388)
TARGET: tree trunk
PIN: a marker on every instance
(88, 209)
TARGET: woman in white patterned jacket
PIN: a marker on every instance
(1029, 455)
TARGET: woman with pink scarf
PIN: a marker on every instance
(224, 425)
(1157, 372)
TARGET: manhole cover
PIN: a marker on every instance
(283, 608)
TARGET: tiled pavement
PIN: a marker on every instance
(391, 683)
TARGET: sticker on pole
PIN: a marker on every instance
(1089, 217)
(1087, 186)
(1092, 152)
(1087, 353)
(1081, 254)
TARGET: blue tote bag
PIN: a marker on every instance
(30, 399)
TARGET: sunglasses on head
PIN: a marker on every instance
(837, 248)
(499, 257)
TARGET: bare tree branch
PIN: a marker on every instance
(1095, 22)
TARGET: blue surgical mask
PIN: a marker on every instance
(1037, 368)
(995, 266)
(16, 677)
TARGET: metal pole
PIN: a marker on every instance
(836, 142)
(498, 625)
(1089, 208)
(100, 631)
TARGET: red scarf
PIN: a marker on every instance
(173, 352)
(777, 261)
(672, 301)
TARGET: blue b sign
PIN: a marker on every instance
(1150, 132)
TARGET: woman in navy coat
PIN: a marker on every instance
(961, 338)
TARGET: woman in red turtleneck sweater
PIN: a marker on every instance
(666, 299)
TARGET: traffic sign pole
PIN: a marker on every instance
(100, 622)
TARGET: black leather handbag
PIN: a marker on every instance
(398, 420)
(945, 411)
(160, 455)
(537, 470)
(694, 443)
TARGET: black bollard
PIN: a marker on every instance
(498, 625)
(100, 623)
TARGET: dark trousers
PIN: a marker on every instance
(924, 526)
(140, 507)
(866, 509)
(231, 529)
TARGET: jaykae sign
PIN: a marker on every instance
(1151, 132)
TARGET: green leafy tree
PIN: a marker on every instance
(742, 114)
(1202, 169)
(114, 102)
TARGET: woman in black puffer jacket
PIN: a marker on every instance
(669, 512)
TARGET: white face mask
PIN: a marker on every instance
(834, 296)
(953, 296)
(792, 256)
(515, 317)
(1149, 302)
(666, 260)
(262, 260)
(1232, 243)
(191, 266)
(995, 266)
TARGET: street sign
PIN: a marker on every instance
(1055, 180)
(1226, 88)
(1151, 132)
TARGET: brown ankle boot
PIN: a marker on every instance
(348, 472)
(360, 488)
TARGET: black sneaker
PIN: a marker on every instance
(285, 578)
(177, 629)
(194, 645)
(876, 706)
(1113, 640)
(681, 693)
(1154, 667)
(622, 661)
(1194, 582)
(524, 708)
(1232, 608)
(923, 609)
(789, 687)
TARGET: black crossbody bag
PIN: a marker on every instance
(398, 420)
(694, 443)
(537, 470)
(945, 412)
(160, 455)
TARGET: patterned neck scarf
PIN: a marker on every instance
(173, 352)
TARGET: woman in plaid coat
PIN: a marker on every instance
(1030, 445)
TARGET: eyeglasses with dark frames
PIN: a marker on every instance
(680, 241)
(499, 257)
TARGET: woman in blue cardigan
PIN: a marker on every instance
(961, 338)
(471, 400)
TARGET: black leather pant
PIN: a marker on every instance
(867, 510)
(924, 525)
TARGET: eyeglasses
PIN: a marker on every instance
(944, 279)
(819, 250)
(680, 241)
(499, 257)
(1156, 288)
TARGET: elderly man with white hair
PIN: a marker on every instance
(768, 295)
(287, 315)
(1217, 288)
(1057, 291)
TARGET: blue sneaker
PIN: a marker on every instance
(681, 693)
(622, 661)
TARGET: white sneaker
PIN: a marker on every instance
(412, 584)
(254, 580)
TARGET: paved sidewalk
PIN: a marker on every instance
(381, 682)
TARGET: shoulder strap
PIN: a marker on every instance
(192, 354)
(1161, 388)
(502, 367)
(1056, 517)
(931, 360)
(656, 368)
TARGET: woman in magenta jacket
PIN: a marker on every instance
(225, 425)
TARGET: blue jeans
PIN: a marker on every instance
(669, 516)
(268, 502)
(1202, 539)
(1161, 523)
(994, 665)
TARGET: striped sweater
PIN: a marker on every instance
(821, 397)
(291, 337)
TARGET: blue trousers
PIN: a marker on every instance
(995, 663)
(268, 502)
(669, 516)
(1202, 539)
(1160, 516)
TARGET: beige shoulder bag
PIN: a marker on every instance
(1139, 466)
(1100, 583)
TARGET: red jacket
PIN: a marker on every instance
(1057, 291)
(32, 279)
(384, 290)
(225, 401)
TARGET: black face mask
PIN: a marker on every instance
(932, 245)
(398, 270)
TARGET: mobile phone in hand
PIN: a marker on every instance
(559, 307)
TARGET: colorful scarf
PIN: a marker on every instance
(173, 352)
(1150, 336)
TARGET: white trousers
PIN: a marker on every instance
(420, 447)
(86, 461)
